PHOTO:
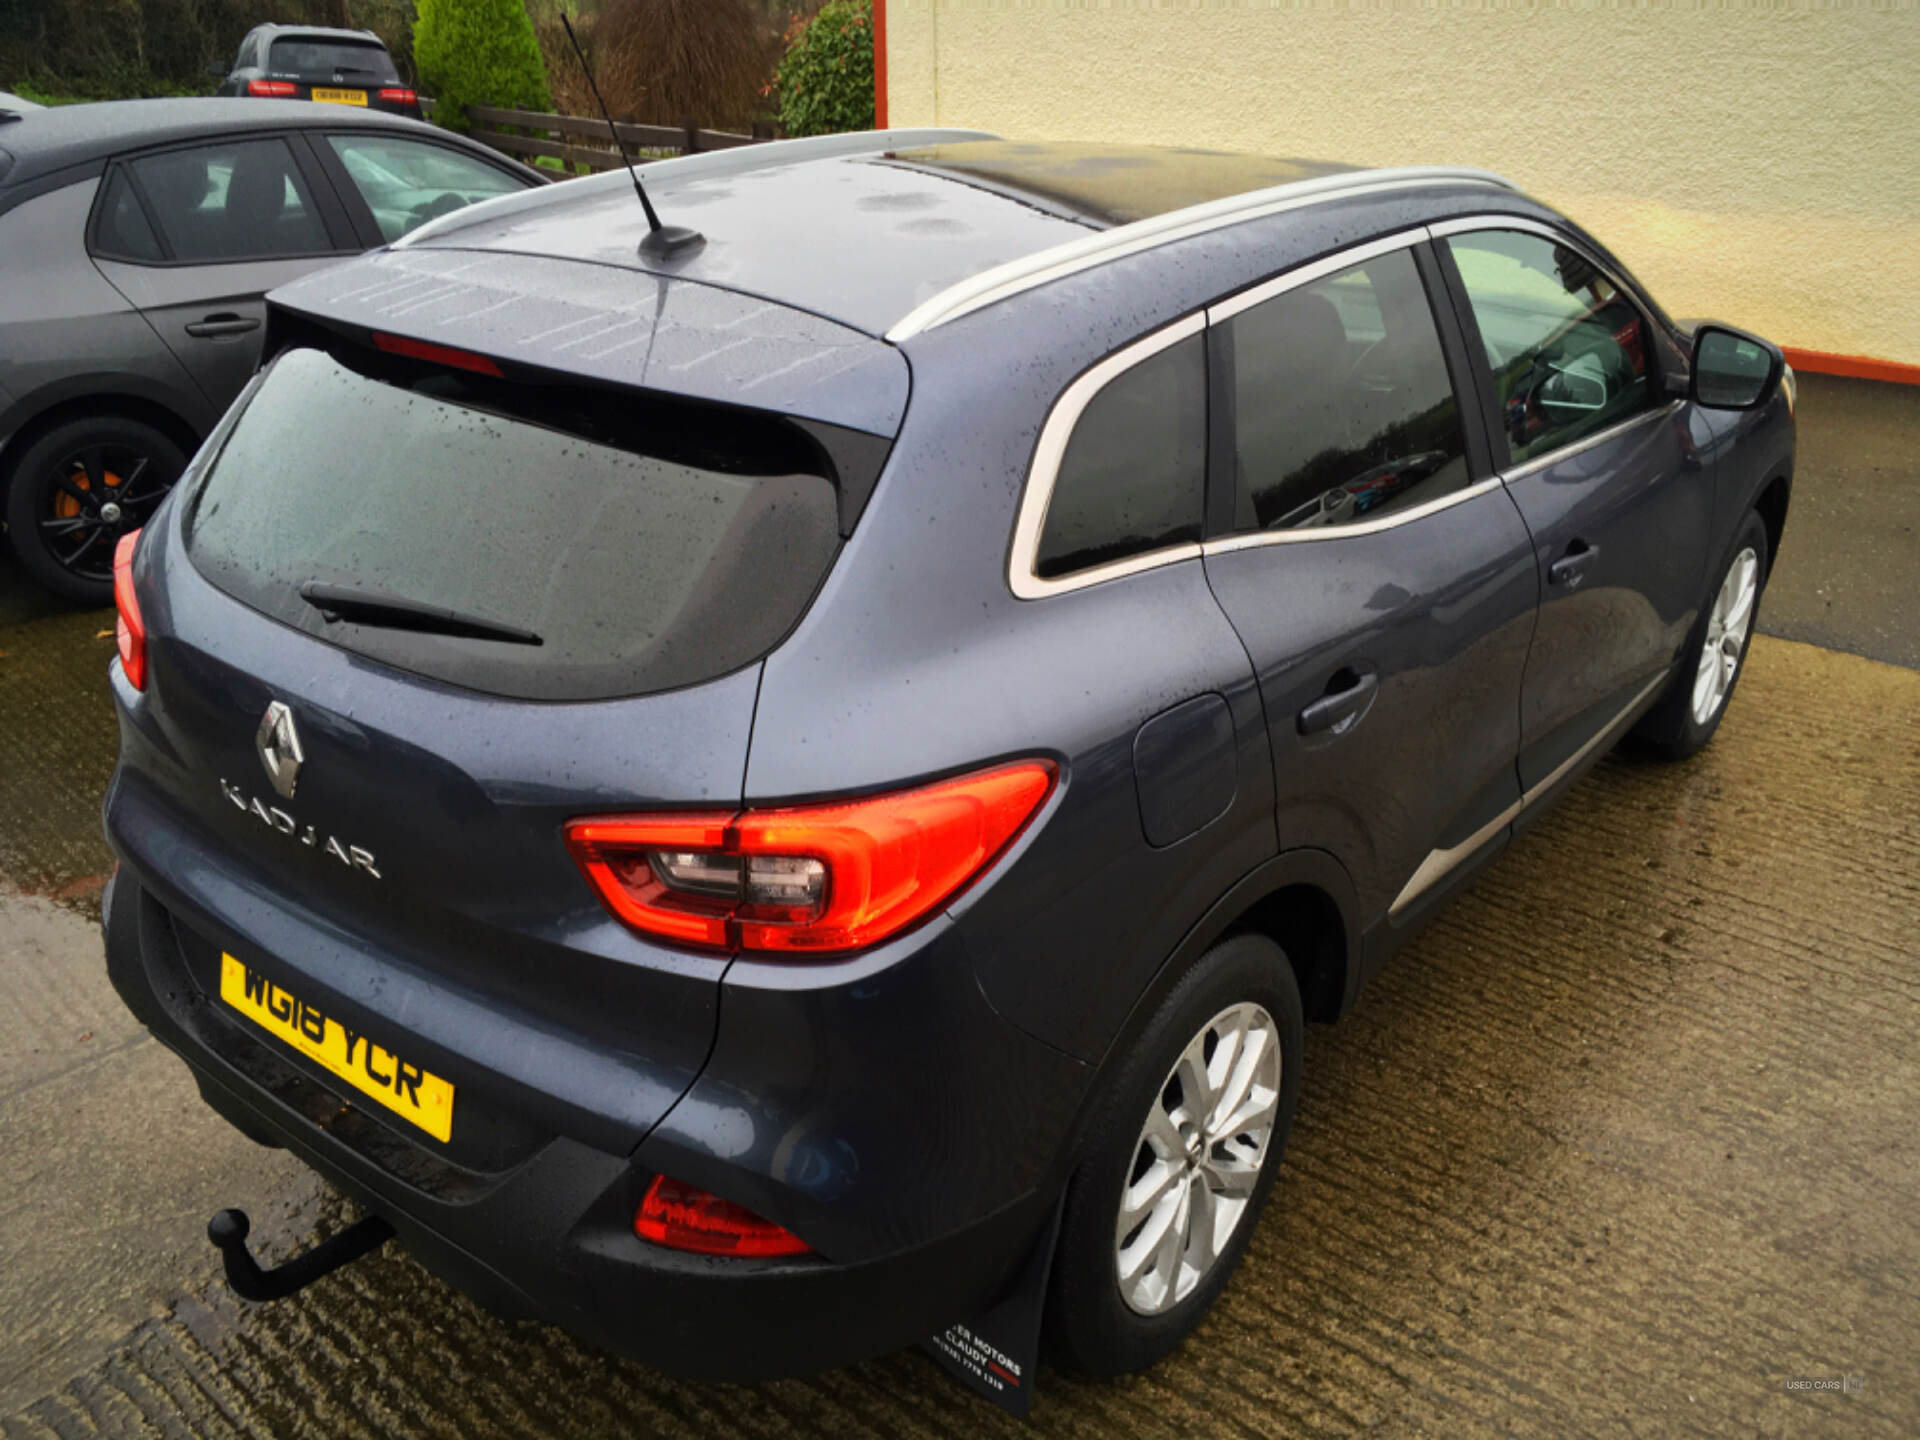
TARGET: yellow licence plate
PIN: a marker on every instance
(407, 1090)
(340, 97)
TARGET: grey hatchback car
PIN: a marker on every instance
(772, 793)
(137, 239)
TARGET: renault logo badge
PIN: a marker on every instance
(279, 745)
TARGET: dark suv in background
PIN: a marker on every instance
(307, 62)
(720, 792)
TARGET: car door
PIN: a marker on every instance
(1376, 571)
(396, 183)
(1603, 465)
(194, 237)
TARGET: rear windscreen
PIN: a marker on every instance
(307, 58)
(627, 543)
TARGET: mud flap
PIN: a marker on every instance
(998, 1354)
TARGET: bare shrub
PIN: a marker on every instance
(662, 62)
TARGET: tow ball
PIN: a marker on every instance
(228, 1232)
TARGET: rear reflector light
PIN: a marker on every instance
(681, 1217)
(813, 879)
(129, 630)
(273, 89)
(438, 354)
(398, 97)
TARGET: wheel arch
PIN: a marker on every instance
(1771, 506)
(1305, 902)
(96, 405)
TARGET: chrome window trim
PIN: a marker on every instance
(1023, 557)
(1315, 270)
(1533, 464)
(1015, 276)
(1440, 863)
(1256, 539)
(1463, 224)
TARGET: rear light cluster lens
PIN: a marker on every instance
(682, 1217)
(273, 89)
(812, 879)
(394, 96)
(129, 629)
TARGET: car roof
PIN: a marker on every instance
(318, 32)
(62, 136)
(871, 234)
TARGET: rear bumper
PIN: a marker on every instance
(549, 1235)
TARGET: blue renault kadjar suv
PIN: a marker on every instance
(752, 796)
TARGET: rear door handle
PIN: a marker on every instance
(223, 324)
(1349, 695)
(1571, 568)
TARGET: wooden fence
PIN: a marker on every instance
(530, 134)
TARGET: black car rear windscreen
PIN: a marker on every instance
(323, 59)
(542, 542)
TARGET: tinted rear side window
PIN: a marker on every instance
(1343, 408)
(638, 570)
(123, 231)
(244, 200)
(1133, 477)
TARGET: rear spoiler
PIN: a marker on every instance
(618, 327)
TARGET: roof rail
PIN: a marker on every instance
(731, 161)
(1002, 281)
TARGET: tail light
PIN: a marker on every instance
(396, 96)
(273, 89)
(811, 879)
(682, 1217)
(129, 630)
(438, 354)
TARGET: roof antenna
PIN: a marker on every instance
(663, 242)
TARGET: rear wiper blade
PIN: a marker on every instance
(397, 612)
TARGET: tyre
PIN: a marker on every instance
(1685, 717)
(1179, 1162)
(76, 490)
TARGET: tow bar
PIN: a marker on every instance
(228, 1232)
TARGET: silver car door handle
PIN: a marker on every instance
(1349, 697)
(1571, 568)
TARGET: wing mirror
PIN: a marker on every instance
(216, 70)
(1733, 370)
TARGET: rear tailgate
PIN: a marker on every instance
(414, 885)
(409, 878)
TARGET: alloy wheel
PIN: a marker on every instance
(1727, 625)
(93, 497)
(1198, 1159)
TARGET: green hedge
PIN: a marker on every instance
(826, 77)
(478, 52)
